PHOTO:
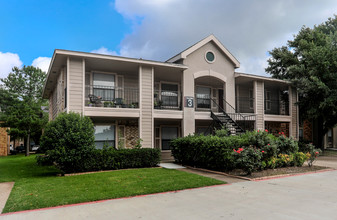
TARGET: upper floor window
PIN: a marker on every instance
(104, 86)
(169, 94)
(210, 57)
(203, 96)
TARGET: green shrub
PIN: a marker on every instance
(248, 159)
(269, 151)
(223, 132)
(286, 145)
(299, 158)
(285, 160)
(258, 138)
(71, 130)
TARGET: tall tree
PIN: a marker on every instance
(309, 62)
(22, 107)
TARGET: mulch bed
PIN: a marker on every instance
(277, 171)
(266, 174)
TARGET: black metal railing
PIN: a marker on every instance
(245, 104)
(164, 99)
(246, 122)
(111, 97)
(276, 107)
(203, 101)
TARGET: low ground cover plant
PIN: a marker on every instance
(68, 143)
(251, 151)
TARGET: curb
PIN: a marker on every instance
(220, 173)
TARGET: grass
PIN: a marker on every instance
(39, 187)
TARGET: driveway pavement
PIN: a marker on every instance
(310, 196)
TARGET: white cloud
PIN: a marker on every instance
(42, 63)
(7, 62)
(247, 28)
(104, 50)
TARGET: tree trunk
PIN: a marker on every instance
(27, 145)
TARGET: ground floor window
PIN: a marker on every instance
(202, 130)
(104, 134)
(167, 135)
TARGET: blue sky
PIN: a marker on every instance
(151, 29)
(35, 28)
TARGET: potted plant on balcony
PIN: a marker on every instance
(90, 104)
(158, 104)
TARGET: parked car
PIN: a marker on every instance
(35, 147)
(20, 149)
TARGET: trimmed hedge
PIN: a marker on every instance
(96, 159)
(68, 143)
(250, 151)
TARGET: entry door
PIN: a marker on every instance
(168, 134)
(220, 101)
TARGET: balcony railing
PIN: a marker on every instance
(112, 97)
(245, 104)
(164, 99)
(276, 107)
(203, 101)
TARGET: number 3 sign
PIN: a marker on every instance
(189, 102)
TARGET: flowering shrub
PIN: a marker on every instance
(286, 145)
(285, 160)
(247, 159)
(312, 154)
(299, 158)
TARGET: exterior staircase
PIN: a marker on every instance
(231, 119)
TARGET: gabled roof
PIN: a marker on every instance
(188, 51)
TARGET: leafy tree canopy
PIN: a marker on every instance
(309, 62)
(20, 102)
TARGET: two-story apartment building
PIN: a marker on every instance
(192, 92)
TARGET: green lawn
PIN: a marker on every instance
(38, 187)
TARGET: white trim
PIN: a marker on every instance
(210, 73)
(210, 51)
(68, 88)
(256, 77)
(83, 84)
(152, 101)
(140, 102)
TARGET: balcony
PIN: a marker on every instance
(111, 97)
(245, 104)
(276, 107)
(165, 99)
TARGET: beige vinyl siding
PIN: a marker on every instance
(259, 105)
(146, 107)
(51, 107)
(54, 104)
(294, 113)
(75, 89)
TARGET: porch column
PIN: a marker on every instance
(259, 104)
(188, 122)
(146, 106)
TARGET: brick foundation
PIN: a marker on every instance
(276, 127)
(3, 142)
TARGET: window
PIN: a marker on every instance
(202, 130)
(267, 100)
(203, 96)
(104, 86)
(104, 134)
(251, 99)
(169, 94)
(167, 135)
(210, 57)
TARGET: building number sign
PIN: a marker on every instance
(189, 102)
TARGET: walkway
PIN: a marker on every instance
(310, 196)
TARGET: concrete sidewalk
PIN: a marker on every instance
(310, 196)
(5, 190)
